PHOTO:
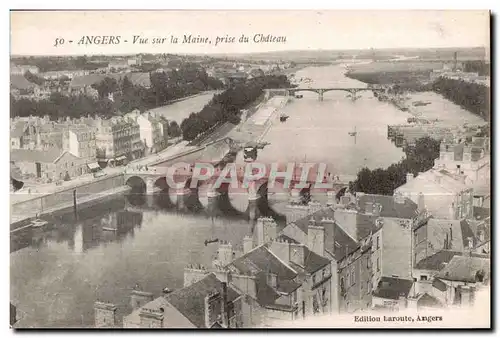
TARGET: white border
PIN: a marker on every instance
(186, 4)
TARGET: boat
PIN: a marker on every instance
(38, 223)
(209, 241)
(283, 117)
(353, 133)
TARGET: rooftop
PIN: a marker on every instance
(465, 269)
(390, 208)
(190, 301)
(439, 260)
(27, 155)
(393, 288)
(20, 82)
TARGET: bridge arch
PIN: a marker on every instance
(137, 183)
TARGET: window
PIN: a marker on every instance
(378, 242)
(368, 286)
(324, 273)
(353, 276)
(423, 277)
(314, 279)
(368, 261)
(378, 264)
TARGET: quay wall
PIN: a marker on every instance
(64, 197)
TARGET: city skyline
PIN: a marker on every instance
(313, 30)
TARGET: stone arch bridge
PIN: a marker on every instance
(321, 91)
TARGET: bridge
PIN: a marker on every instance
(216, 185)
(321, 91)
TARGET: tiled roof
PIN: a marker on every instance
(313, 262)
(261, 259)
(440, 230)
(390, 208)
(287, 239)
(86, 80)
(27, 155)
(439, 284)
(20, 82)
(464, 269)
(338, 242)
(481, 213)
(392, 288)
(190, 301)
(427, 300)
(266, 295)
(437, 261)
(303, 223)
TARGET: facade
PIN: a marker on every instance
(49, 165)
(80, 141)
(443, 194)
(151, 130)
(117, 140)
(205, 303)
(471, 159)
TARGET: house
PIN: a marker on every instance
(458, 282)
(23, 69)
(440, 234)
(471, 159)
(444, 195)
(117, 140)
(392, 293)
(206, 303)
(350, 259)
(79, 140)
(49, 165)
(426, 269)
(151, 130)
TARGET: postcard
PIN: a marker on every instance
(250, 169)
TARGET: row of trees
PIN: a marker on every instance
(473, 97)
(419, 158)
(225, 107)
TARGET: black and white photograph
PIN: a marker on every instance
(250, 169)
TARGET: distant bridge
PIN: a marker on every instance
(321, 91)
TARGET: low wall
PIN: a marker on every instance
(50, 201)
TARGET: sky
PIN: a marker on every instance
(35, 33)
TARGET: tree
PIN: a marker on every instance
(419, 158)
(106, 87)
(34, 78)
(174, 130)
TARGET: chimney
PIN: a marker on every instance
(466, 297)
(368, 208)
(297, 253)
(281, 248)
(104, 315)
(193, 273)
(247, 244)
(409, 177)
(213, 307)
(151, 318)
(316, 238)
(421, 202)
(225, 253)
(402, 302)
(377, 208)
(224, 307)
(140, 298)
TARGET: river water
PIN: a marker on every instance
(57, 274)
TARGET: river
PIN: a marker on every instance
(56, 275)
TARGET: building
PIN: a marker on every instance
(443, 194)
(23, 69)
(206, 303)
(48, 165)
(118, 140)
(79, 140)
(458, 282)
(60, 74)
(471, 159)
(151, 130)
